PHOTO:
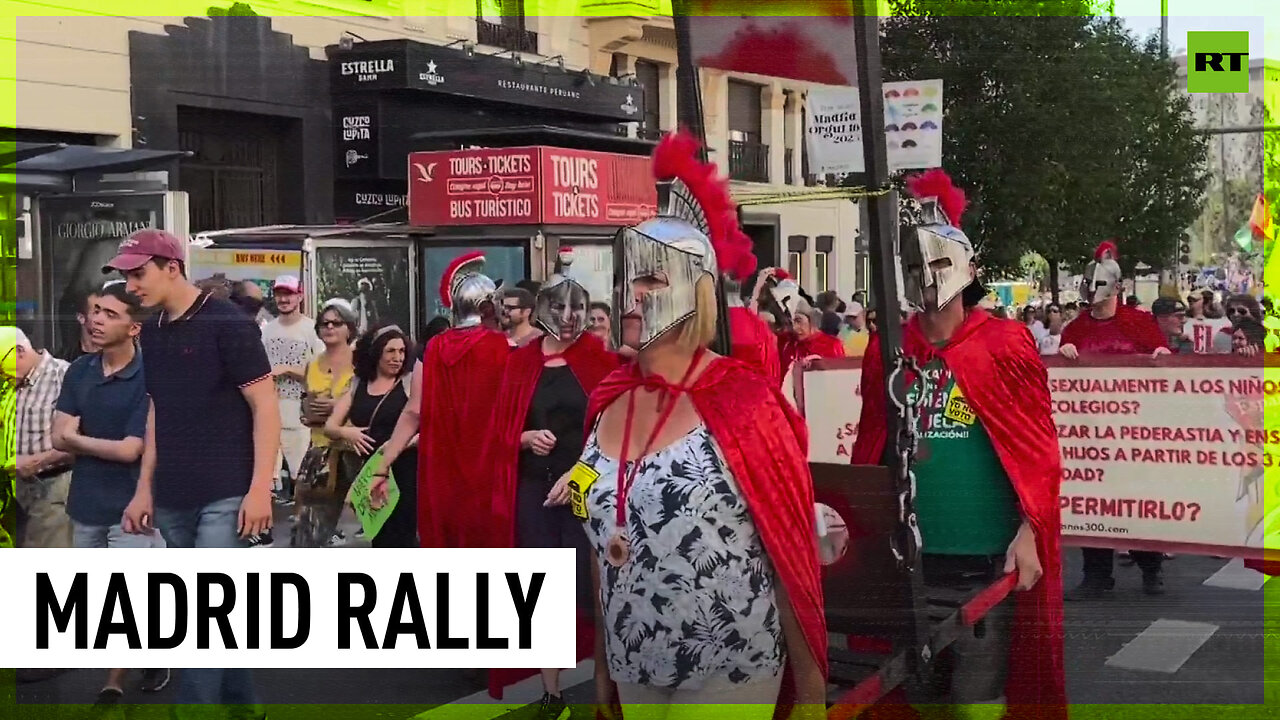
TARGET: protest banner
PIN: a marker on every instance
(361, 499)
(1157, 454)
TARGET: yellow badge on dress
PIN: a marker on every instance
(958, 409)
(580, 479)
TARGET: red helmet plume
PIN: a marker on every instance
(1107, 246)
(937, 183)
(446, 281)
(676, 157)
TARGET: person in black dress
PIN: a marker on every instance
(364, 419)
(538, 430)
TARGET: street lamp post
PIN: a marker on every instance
(1164, 27)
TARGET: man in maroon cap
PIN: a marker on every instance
(213, 431)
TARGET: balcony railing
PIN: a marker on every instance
(748, 161)
(788, 156)
(508, 37)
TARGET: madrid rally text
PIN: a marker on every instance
(74, 608)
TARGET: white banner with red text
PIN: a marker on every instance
(1167, 454)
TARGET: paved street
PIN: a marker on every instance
(1202, 643)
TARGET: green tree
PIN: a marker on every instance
(1053, 118)
(1164, 175)
(237, 10)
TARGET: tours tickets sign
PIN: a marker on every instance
(1165, 455)
(529, 186)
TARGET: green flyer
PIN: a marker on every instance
(372, 519)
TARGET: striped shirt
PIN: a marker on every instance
(37, 396)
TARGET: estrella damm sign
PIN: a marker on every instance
(1217, 62)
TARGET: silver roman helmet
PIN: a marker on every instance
(561, 305)
(935, 252)
(786, 293)
(1102, 277)
(465, 290)
(694, 235)
(671, 251)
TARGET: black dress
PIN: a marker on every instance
(380, 413)
(559, 404)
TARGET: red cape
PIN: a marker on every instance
(461, 372)
(754, 343)
(590, 363)
(1130, 331)
(766, 446)
(791, 348)
(1266, 567)
(997, 366)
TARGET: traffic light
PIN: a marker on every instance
(1184, 250)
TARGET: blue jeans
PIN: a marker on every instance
(107, 536)
(211, 526)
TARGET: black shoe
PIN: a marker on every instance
(1153, 583)
(552, 707)
(155, 679)
(108, 697)
(1091, 589)
(262, 541)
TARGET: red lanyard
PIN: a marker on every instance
(624, 485)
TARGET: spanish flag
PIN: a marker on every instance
(1260, 220)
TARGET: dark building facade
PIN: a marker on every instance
(392, 97)
(250, 106)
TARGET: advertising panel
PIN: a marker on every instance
(529, 185)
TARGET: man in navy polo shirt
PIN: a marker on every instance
(101, 419)
(213, 430)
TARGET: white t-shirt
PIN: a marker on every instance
(1206, 336)
(294, 345)
(1050, 344)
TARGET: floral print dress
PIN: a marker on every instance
(695, 599)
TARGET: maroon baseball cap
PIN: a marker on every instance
(139, 248)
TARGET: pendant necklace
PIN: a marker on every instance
(618, 549)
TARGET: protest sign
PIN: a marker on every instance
(373, 518)
(1167, 453)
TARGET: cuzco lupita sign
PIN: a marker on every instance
(529, 185)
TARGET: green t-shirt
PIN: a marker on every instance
(965, 503)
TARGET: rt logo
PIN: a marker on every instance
(1219, 62)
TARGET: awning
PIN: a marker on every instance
(300, 233)
(53, 168)
(532, 135)
(24, 150)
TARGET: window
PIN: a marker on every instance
(788, 132)
(824, 245)
(649, 75)
(797, 245)
(748, 155)
(501, 23)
